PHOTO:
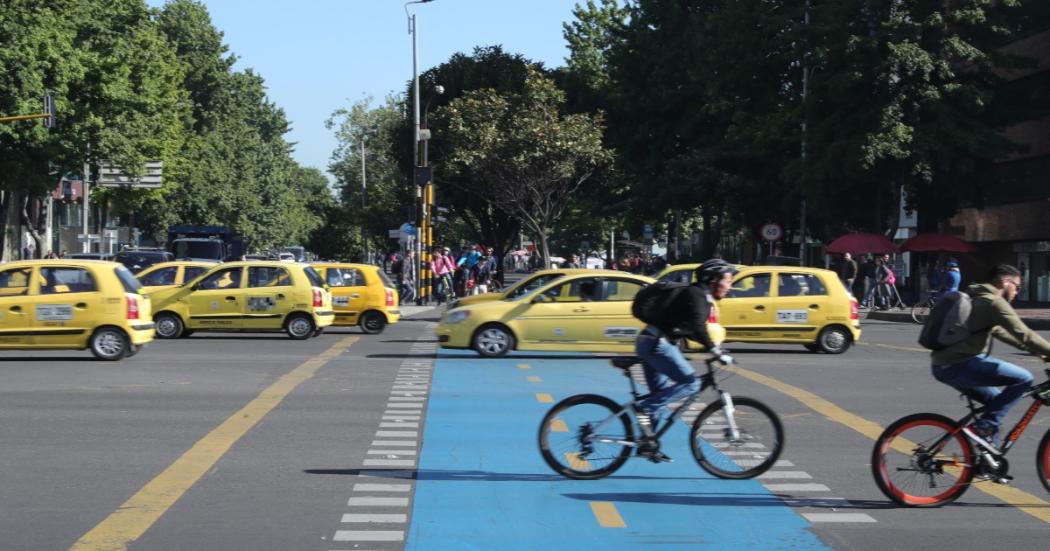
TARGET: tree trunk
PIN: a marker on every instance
(27, 221)
(5, 204)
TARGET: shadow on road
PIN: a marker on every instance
(471, 476)
(715, 498)
(5, 359)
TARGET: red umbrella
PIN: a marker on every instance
(937, 242)
(862, 243)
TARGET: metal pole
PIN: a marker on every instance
(805, 92)
(415, 152)
(86, 246)
(364, 200)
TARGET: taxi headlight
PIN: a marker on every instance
(457, 316)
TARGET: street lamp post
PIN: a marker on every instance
(420, 230)
(364, 201)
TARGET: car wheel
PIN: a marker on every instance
(493, 341)
(299, 327)
(834, 340)
(109, 343)
(186, 333)
(372, 322)
(132, 350)
(168, 326)
(812, 347)
(318, 331)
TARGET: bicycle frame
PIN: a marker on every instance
(1011, 437)
(707, 380)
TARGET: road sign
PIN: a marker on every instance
(89, 237)
(772, 232)
(111, 175)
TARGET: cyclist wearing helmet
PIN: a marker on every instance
(667, 373)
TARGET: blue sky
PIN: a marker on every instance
(319, 55)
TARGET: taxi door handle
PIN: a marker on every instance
(231, 299)
(760, 308)
(81, 305)
(814, 307)
(581, 310)
(280, 296)
(355, 295)
(16, 309)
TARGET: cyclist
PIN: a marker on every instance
(967, 365)
(667, 373)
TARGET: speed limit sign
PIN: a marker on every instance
(772, 232)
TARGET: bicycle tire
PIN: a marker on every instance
(762, 439)
(920, 313)
(570, 456)
(1042, 460)
(931, 427)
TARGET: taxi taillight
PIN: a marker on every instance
(318, 298)
(853, 314)
(133, 308)
(389, 297)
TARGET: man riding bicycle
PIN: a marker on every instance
(967, 365)
(667, 373)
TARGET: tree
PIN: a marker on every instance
(521, 153)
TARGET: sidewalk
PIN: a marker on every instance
(1036, 318)
(409, 311)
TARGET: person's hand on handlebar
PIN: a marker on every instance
(721, 356)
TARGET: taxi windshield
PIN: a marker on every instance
(526, 286)
(532, 289)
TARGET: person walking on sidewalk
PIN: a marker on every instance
(408, 278)
(848, 271)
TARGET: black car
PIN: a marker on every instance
(136, 260)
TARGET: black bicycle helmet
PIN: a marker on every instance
(713, 270)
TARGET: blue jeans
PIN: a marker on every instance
(667, 373)
(981, 376)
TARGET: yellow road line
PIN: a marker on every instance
(1034, 506)
(558, 425)
(894, 347)
(544, 398)
(577, 462)
(140, 511)
(607, 515)
(524, 366)
(534, 379)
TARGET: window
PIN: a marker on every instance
(796, 285)
(268, 276)
(65, 280)
(14, 282)
(752, 286)
(163, 276)
(679, 276)
(313, 276)
(531, 284)
(577, 290)
(192, 272)
(344, 277)
(386, 280)
(621, 290)
(223, 279)
(130, 283)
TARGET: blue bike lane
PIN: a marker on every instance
(483, 485)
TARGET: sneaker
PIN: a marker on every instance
(984, 432)
(658, 457)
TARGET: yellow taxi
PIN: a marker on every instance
(170, 274)
(790, 304)
(523, 285)
(587, 312)
(684, 273)
(246, 296)
(73, 304)
(361, 295)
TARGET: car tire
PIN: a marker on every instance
(169, 326)
(186, 333)
(132, 350)
(493, 341)
(372, 322)
(109, 343)
(812, 347)
(299, 326)
(319, 331)
(834, 340)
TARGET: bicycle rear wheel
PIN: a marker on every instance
(918, 462)
(586, 437)
(1042, 461)
(920, 312)
(761, 439)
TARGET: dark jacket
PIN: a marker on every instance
(849, 269)
(687, 316)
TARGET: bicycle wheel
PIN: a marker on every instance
(920, 312)
(586, 437)
(1042, 461)
(753, 453)
(919, 462)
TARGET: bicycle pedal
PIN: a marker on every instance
(1005, 479)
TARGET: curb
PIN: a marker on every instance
(1039, 324)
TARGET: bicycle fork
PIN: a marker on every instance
(727, 404)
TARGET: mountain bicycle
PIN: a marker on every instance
(920, 312)
(928, 460)
(589, 436)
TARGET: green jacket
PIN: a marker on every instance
(991, 316)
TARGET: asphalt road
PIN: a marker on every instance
(230, 441)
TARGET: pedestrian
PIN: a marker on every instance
(848, 271)
(27, 251)
(408, 278)
(50, 254)
(482, 275)
(572, 263)
(952, 277)
(867, 275)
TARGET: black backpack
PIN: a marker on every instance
(653, 300)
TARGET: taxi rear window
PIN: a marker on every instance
(313, 276)
(386, 280)
(131, 283)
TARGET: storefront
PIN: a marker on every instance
(1033, 259)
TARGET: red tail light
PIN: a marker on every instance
(389, 297)
(133, 308)
(318, 298)
(853, 309)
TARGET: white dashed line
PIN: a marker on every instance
(393, 518)
(838, 517)
(377, 502)
(802, 475)
(382, 487)
(797, 488)
(369, 535)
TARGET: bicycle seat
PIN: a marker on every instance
(625, 362)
